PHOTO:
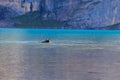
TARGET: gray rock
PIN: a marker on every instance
(80, 14)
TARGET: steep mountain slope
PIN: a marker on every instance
(110, 27)
(7, 12)
(85, 14)
(78, 14)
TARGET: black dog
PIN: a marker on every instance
(46, 41)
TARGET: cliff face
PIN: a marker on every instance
(89, 13)
(82, 14)
(20, 6)
(85, 14)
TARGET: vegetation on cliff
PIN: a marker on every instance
(32, 19)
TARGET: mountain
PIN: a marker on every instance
(77, 14)
(110, 27)
(87, 14)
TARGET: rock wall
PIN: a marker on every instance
(19, 6)
(87, 13)
(82, 14)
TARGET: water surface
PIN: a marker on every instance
(72, 55)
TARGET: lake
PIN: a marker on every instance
(71, 55)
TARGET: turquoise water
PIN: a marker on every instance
(71, 55)
(58, 36)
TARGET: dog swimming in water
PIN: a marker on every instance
(46, 41)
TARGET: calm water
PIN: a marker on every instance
(72, 55)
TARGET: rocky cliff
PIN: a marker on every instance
(80, 14)
(86, 14)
